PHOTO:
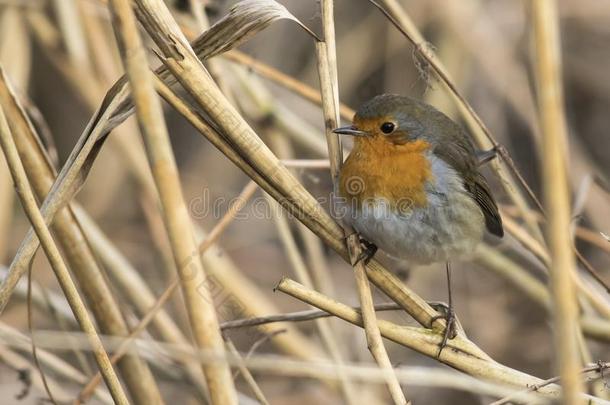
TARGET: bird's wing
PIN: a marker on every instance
(459, 153)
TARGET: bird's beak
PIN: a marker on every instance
(350, 131)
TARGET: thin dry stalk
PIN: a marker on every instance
(241, 365)
(557, 195)
(63, 276)
(237, 206)
(330, 100)
(202, 313)
(299, 316)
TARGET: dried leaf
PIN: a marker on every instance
(244, 20)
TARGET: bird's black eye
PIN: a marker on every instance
(387, 127)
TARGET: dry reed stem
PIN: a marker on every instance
(79, 256)
(556, 194)
(14, 58)
(200, 307)
(327, 71)
(63, 276)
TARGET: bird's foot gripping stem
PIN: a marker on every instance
(451, 324)
(368, 251)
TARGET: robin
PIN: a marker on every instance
(412, 187)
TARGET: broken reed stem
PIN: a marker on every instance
(200, 307)
(327, 71)
(30, 206)
(556, 194)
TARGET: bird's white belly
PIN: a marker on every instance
(448, 227)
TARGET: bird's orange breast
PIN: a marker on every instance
(376, 169)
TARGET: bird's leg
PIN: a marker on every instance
(449, 316)
(367, 253)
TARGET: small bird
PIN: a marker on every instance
(412, 187)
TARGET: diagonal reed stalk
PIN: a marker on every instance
(327, 70)
(200, 307)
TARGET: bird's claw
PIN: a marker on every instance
(450, 331)
(367, 253)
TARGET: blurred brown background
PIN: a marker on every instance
(486, 46)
